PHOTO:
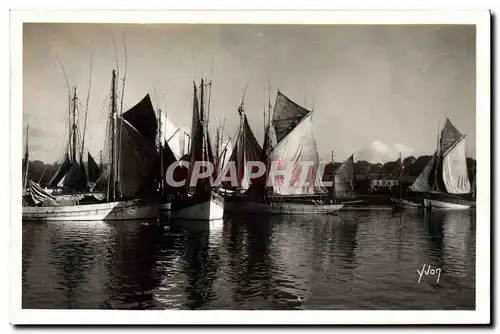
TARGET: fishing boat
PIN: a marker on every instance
(77, 171)
(444, 181)
(343, 185)
(400, 202)
(200, 201)
(246, 148)
(288, 139)
(125, 190)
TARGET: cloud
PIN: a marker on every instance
(377, 151)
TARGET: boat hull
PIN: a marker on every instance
(405, 204)
(206, 208)
(281, 208)
(123, 210)
(445, 205)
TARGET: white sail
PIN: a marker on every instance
(296, 147)
(175, 136)
(422, 184)
(454, 170)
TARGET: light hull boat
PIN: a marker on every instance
(122, 210)
(446, 205)
(208, 207)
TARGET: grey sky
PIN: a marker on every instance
(376, 90)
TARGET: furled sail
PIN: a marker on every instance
(297, 147)
(38, 195)
(454, 169)
(344, 180)
(287, 114)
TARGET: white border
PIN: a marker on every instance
(483, 226)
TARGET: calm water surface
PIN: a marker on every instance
(350, 260)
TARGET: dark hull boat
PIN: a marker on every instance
(201, 201)
(288, 139)
(279, 205)
(343, 186)
(444, 183)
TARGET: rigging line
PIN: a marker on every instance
(122, 93)
(67, 87)
(65, 78)
(194, 64)
(87, 106)
(212, 69)
(124, 75)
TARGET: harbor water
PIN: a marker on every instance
(353, 260)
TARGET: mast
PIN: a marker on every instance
(26, 158)
(217, 148)
(269, 104)
(100, 160)
(160, 147)
(73, 127)
(241, 145)
(436, 165)
(400, 177)
(202, 119)
(333, 176)
(209, 96)
(112, 194)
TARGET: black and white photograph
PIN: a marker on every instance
(271, 162)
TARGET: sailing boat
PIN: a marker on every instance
(77, 172)
(444, 181)
(127, 179)
(343, 187)
(246, 149)
(291, 130)
(200, 201)
(400, 202)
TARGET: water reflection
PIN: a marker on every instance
(351, 260)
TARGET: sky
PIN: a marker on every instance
(375, 90)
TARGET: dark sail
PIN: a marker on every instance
(61, 171)
(138, 156)
(142, 117)
(75, 178)
(449, 135)
(196, 149)
(93, 171)
(246, 149)
(253, 150)
(344, 180)
(287, 114)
